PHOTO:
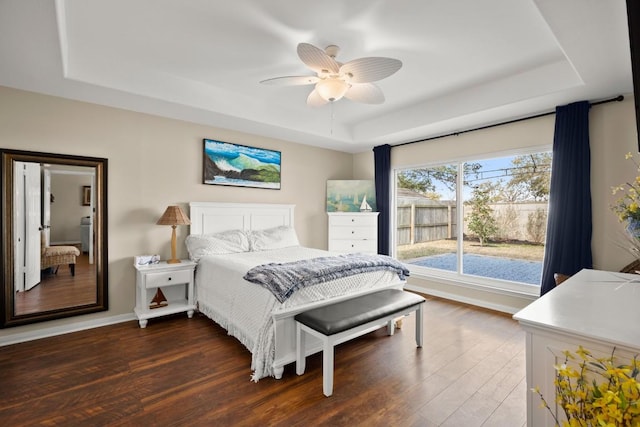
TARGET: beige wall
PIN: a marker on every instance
(155, 162)
(612, 135)
(67, 209)
(363, 167)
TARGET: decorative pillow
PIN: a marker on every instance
(273, 238)
(226, 242)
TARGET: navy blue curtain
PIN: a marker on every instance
(382, 161)
(568, 245)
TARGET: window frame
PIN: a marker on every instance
(456, 278)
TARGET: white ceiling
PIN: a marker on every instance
(466, 63)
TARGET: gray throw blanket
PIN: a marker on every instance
(285, 278)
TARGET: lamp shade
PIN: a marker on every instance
(332, 89)
(174, 215)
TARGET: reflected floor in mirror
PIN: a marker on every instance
(61, 290)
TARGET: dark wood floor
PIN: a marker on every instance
(60, 290)
(188, 372)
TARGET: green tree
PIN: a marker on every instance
(512, 192)
(507, 223)
(530, 177)
(410, 181)
(424, 180)
(537, 225)
(481, 220)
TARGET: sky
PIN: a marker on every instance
(494, 169)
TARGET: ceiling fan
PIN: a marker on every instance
(334, 80)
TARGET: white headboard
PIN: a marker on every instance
(214, 217)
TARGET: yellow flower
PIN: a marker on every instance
(627, 206)
(595, 391)
(628, 156)
(582, 352)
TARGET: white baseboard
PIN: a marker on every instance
(463, 299)
(64, 329)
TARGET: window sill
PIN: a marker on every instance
(522, 292)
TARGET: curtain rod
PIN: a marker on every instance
(616, 99)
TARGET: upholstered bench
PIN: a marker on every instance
(54, 256)
(340, 322)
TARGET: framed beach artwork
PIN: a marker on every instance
(225, 163)
(351, 196)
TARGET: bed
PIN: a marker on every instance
(249, 312)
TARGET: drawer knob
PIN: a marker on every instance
(353, 232)
(169, 279)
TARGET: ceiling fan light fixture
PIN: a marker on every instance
(332, 89)
(335, 80)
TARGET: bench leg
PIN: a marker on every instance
(391, 327)
(73, 269)
(419, 325)
(327, 368)
(278, 371)
(301, 360)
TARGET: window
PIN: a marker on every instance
(499, 207)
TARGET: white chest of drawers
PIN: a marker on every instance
(353, 232)
(594, 309)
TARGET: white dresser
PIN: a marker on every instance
(595, 309)
(353, 232)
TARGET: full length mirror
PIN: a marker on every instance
(54, 236)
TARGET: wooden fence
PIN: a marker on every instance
(418, 222)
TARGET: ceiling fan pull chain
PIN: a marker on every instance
(331, 118)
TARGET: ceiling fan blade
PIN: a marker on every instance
(291, 81)
(315, 100)
(367, 93)
(317, 59)
(371, 69)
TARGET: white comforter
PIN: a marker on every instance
(245, 309)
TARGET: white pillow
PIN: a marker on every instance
(226, 242)
(273, 238)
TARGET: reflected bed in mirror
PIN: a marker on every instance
(54, 236)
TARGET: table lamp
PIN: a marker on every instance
(173, 216)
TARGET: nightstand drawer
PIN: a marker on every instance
(168, 278)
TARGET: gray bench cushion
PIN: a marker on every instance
(344, 315)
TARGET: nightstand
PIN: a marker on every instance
(176, 283)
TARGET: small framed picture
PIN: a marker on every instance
(86, 195)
